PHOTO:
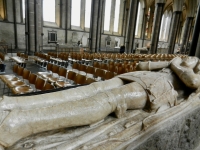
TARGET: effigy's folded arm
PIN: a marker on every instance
(186, 74)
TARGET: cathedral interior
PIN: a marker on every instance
(51, 46)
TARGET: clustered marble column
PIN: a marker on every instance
(144, 26)
(188, 25)
(195, 45)
(96, 25)
(173, 31)
(150, 23)
(156, 26)
(131, 24)
(33, 25)
(67, 18)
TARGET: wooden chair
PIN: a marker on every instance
(63, 83)
(48, 86)
(89, 81)
(99, 73)
(25, 75)
(54, 69)
(61, 75)
(82, 69)
(80, 79)
(11, 77)
(90, 71)
(109, 75)
(25, 89)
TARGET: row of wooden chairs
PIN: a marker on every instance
(93, 72)
(61, 77)
(20, 86)
(22, 55)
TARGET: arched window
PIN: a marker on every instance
(107, 15)
(138, 17)
(76, 12)
(49, 10)
(23, 10)
(2, 10)
(116, 20)
(87, 13)
(165, 26)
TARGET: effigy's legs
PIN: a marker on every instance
(18, 124)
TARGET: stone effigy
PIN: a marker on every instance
(152, 91)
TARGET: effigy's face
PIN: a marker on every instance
(189, 62)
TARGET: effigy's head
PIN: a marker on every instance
(189, 62)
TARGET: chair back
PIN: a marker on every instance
(55, 69)
(109, 75)
(62, 72)
(15, 68)
(71, 75)
(48, 86)
(39, 83)
(32, 78)
(20, 71)
(49, 66)
(80, 79)
(90, 70)
(26, 74)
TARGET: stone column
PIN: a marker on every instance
(15, 24)
(188, 25)
(144, 23)
(150, 23)
(173, 31)
(195, 37)
(67, 18)
(34, 25)
(156, 26)
(95, 25)
(38, 24)
(131, 24)
(197, 54)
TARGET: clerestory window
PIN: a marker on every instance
(49, 10)
(107, 15)
(76, 13)
(87, 13)
(117, 12)
(2, 10)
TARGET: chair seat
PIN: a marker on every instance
(22, 90)
(11, 78)
(12, 84)
(53, 79)
(62, 83)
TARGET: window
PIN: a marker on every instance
(107, 15)
(76, 12)
(23, 9)
(87, 13)
(2, 10)
(49, 10)
(116, 21)
(52, 37)
(165, 26)
(138, 17)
